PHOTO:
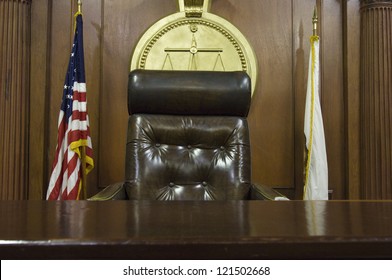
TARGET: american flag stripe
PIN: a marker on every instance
(81, 109)
(78, 126)
(73, 128)
(82, 115)
(57, 173)
(73, 177)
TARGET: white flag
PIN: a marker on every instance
(316, 169)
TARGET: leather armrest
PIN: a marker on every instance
(112, 192)
(260, 192)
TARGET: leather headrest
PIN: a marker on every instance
(189, 93)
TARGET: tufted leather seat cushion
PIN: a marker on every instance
(187, 158)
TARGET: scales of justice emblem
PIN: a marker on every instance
(193, 55)
(197, 40)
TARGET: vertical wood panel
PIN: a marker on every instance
(92, 32)
(376, 76)
(272, 117)
(352, 88)
(332, 94)
(39, 97)
(14, 98)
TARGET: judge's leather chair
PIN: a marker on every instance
(188, 138)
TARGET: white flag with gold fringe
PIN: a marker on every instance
(316, 169)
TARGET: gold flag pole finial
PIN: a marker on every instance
(79, 6)
(315, 21)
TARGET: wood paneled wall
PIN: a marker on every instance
(279, 32)
(14, 97)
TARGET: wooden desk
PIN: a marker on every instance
(195, 230)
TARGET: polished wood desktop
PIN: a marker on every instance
(195, 230)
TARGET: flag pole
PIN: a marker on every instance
(315, 21)
(83, 191)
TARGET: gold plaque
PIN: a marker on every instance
(195, 39)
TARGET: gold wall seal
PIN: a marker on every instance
(194, 39)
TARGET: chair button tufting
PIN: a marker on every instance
(189, 147)
(204, 183)
(157, 145)
(222, 148)
(171, 184)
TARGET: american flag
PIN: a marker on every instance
(73, 128)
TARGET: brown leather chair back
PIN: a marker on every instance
(188, 135)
